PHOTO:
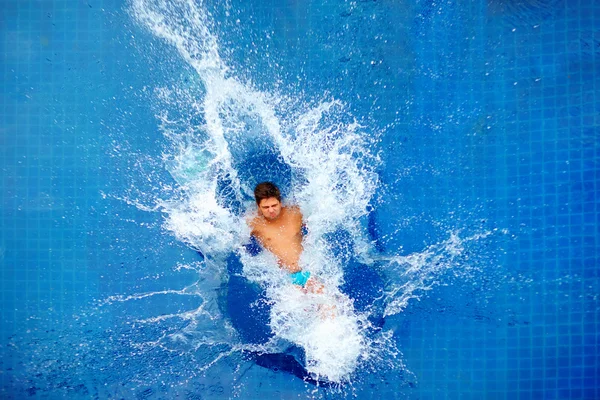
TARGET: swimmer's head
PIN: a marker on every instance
(264, 190)
(268, 200)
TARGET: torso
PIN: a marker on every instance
(282, 237)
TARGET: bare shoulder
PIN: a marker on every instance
(294, 212)
(254, 222)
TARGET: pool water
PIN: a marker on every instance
(444, 154)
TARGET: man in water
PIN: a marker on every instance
(280, 230)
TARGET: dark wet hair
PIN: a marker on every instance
(266, 190)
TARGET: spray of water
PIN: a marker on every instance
(224, 137)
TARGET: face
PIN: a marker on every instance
(270, 208)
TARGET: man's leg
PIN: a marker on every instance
(313, 286)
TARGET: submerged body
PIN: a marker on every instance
(320, 319)
(280, 230)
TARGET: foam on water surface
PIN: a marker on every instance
(225, 136)
(326, 168)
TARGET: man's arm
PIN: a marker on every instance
(303, 227)
(299, 219)
(254, 246)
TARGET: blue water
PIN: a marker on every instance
(484, 117)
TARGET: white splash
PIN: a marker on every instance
(214, 126)
(420, 272)
(332, 180)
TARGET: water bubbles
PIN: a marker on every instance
(225, 136)
(223, 140)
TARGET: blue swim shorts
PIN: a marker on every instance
(300, 278)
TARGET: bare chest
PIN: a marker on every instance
(279, 234)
